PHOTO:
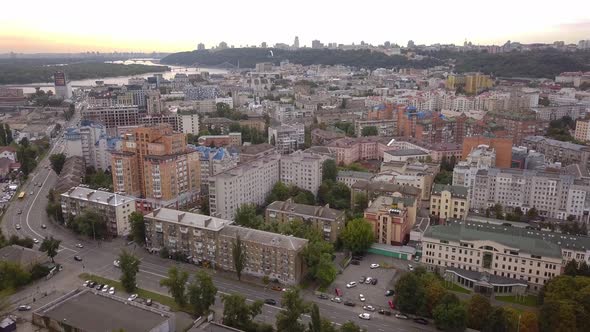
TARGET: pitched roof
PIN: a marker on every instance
(456, 191)
(266, 238)
(307, 210)
(188, 219)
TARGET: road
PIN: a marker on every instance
(98, 257)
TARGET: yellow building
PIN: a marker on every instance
(449, 201)
(582, 133)
(473, 83)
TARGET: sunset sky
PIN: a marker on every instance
(107, 25)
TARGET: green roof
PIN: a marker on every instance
(513, 237)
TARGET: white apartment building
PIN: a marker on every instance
(91, 143)
(302, 169)
(248, 183)
(554, 195)
(188, 123)
(114, 208)
(287, 138)
(482, 157)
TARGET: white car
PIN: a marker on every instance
(112, 290)
(105, 288)
(401, 316)
(132, 297)
(374, 266)
(351, 284)
(410, 267)
(368, 280)
(17, 227)
(365, 315)
(85, 284)
(35, 240)
(362, 297)
(116, 263)
(79, 245)
(368, 308)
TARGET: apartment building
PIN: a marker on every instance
(287, 138)
(464, 172)
(214, 161)
(374, 189)
(231, 139)
(582, 132)
(502, 148)
(516, 125)
(156, 164)
(491, 259)
(348, 150)
(412, 173)
(114, 208)
(449, 201)
(392, 218)
(351, 177)
(248, 183)
(112, 117)
(303, 169)
(556, 112)
(188, 123)
(329, 222)
(209, 240)
(552, 194)
(385, 127)
(255, 151)
(472, 83)
(566, 153)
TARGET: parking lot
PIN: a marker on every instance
(6, 192)
(374, 294)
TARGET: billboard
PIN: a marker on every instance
(59, 79)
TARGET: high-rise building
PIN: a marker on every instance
(316, 44)
(287, 138)
(155, 164)
(62, 86)
(200, 47)
(296, 42)
(582, 133)
(303, 169)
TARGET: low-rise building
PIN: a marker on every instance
(374, 189)
(349, 150)
(114, 208)
(327, 221)
(405, 155)
(566, 153)
(351, 177)
(287, 138)
(417, 174)
(449, 201)
(392, 218)
(255, 151)
(231, 139)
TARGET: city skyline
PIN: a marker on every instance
(64, 28)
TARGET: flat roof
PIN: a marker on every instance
(88, 311)
(406, 152)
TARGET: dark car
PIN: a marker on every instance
(389, 292)
(384, 312)
(270, 301)
(91, 284)
(420, 320)
(78, 258)
(148, 302)
(323, 296)
(349, 303)
(357, 258)
(374, 281)
(355, 262)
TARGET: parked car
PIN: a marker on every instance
(275, 288)
(148, 302)
(368, 308)
(355, 262)
(270, 301)
(17, 227)
(99, 287)
(92, 284)
(374, 281)
(349, 303)
(389, 292)
(338, 292)
(336, 300)
(19, 212)
(401, 316)
(384, 312)
(416, 259)
(43, 226)
(105, 288)
(112, 290)
(35, 240)
(375, 266)
(77, 258)
(323, 296)
(116, 263)
(421, 320)
(358, 258)
(410, 267)
(362, 297)
(24, 307)
(391, 305)
(351, 284)
(365, 315)
(362, 279)
(85, 284)
(79, 245)
(132, 297)
(368, 280)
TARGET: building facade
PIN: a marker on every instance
(287, 138)
(449, 201)
(303, 169)
(392, 219)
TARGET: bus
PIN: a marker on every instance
(21, 195)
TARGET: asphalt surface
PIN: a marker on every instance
(98, 257)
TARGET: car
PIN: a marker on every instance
(368, 280)
(79, 245)
(132, 297)
(31, 193)
(401, 316)
(43, 226)
(362, 279)
(351, 284)
(85, 284)
(116, 263)
(355, 262)
(391, 305)
(148, 302)
(410, 267)
(40, 185)
(336, 300)
(99, 286)
(368, 308)
(338, 292)
(358, 258)
(77, 258)
(112, 290)
(105, 288)
(35, 240)
(389, 292)
(323, 296)
(270, 301)
(420, 320)
(365, 315)
(17, 227)
(374, 281)
(374, 266)
(362, 297)
(19, 212)
(92, 284)
(277, 288)
(24, 307)
(384, 312)
(417, 259)
(349, 303)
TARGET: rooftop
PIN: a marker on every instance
(456, 191)
(406, 152)
(97, 196)
(388, 202)
(265, 238)
(256, 148)
(88, 311)
(554, 142)
(354, 174)
(188, 219)
(380, 186)
(307, 210)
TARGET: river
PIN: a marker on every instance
(30, 88)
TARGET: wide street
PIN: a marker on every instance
(98, 257)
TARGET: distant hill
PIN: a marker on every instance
(248, 57)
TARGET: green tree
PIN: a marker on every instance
(239, 256)
(410, 293)
(239, 314)
(246, 216)
(369, 131)
(288, 319)
(433, 291)
(12, 276)
(317, 255)
(337, 194)
(8, 132)
(350, 327)
(329, 170)
(129, 267)
(315, 325)
(357, 236)
(449, 314)
(478, 309)
(325, 272)
(176, 284)
(360, 202)
(571, 268)
(137, 227)
(90, 223)
(529, 322)
(201, 293)
(532, 213)
(57, 162)
(50, 246)
(497, 321)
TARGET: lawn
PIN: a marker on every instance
(528, 300)
(455, 288)
(156, 297)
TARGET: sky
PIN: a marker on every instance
(35, 26)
